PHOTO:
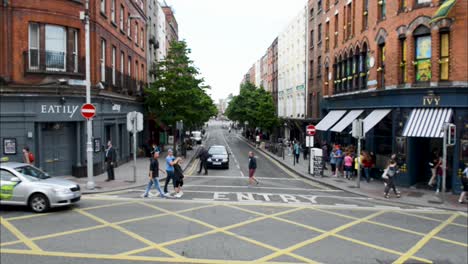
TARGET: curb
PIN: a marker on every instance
(341, 188)
(136, 185)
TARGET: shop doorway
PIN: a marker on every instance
(57, 153)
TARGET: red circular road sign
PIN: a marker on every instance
(88, 111)
(310, 130)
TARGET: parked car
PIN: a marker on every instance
(24, 184)
(197, 137)
(218, 157)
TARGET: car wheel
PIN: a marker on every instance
(39, 203)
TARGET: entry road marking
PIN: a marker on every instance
(424, 240)
(19, 235)
(256, 187)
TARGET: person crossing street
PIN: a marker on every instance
(154, 177)
(110, 161)
(203, 156)
(170, 161)
(252, 168)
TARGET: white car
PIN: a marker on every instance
(24, 184)
(197, 137)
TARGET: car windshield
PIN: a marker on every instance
(217, 151)
(32, 173)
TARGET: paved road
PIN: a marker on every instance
(285, 219)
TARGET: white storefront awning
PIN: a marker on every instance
(330, 119)
(346, 121)
(427, 122)
(374, 118)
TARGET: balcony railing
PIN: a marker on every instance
(53, 62)
(122, 83)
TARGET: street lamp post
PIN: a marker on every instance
(284, 139)
(89, 124)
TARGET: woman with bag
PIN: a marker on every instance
(389, 176)
(465, 185)
(178, 180)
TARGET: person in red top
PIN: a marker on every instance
(367, 164)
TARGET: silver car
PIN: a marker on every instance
(24, 184)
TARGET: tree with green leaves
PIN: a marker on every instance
(178, 92)
(254, 105)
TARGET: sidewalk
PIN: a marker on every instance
(373, 189)
(124, 175)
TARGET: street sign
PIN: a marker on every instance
(88, 111)
(358, 128)
(310, 130)
(134, 119)
(310, 141)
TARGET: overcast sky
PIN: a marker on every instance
(228, 36)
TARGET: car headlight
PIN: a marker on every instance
(225, 160)
(209, 159)
(62, 191)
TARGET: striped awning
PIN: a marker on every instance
(427, 122)
(330, 119)
(346, 121)
(443, 10)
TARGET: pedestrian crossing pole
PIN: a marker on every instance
(358, 133)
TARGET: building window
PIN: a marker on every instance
(319, 5)
(136, 71)
(381, 68)
(122, 70)
(75, 50)
(365, 14)
(113, 64)
(56, 47)
(103, 6)
(113, 11)
(136, 33)
(311, 70)
(348, 23)
(402, 5)
(33, 46)
(103, 60)
(319, 34)
(327, 37)
(403, 74)
(312, 13)
(382, 9)
(142, 38)
(327, 4)
(335, 38)
(312, 39)
(129, 28)
(121, 18)
(419, 2)
(444, 55)
(129, 66)
(319, 66)
(423, 52)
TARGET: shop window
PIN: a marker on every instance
(403, 73)
(423, 51)
(103, 60)
(444, 55)
(365, 14)
(382, 9)
(33, 46)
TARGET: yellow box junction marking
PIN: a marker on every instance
(424, 240)
(19, 234)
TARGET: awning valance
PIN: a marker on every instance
(427, 122)
(330, 119)
(346, 121)
(443, 10)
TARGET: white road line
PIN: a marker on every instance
(236, 177)
(232, 154)
(256, 187)
(347, 205)
(277, 194)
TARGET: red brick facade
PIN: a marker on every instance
(346, 43)
(17, 58)
(172, 28)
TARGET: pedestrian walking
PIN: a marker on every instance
(203, 156)
(348, 165)
(325, 155)
(366, 164)
(333, 162)
(339, 161)
(464, 180)
(252, 168)
(28, 156)
(434, 163)
(297, 151)
(305, 151)
(439, 176)
(110, 161)
(389, 177)
(154, 177)
(178, 180)
(169, 169)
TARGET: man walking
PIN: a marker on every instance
(169, 169)
(110, 161)
(297, 151)
(252, 168)
(154, 177)
(203, 156)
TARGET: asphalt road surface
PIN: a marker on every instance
(220, 219)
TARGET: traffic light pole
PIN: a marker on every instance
(89, 124)
(444, 160)
(135, 120)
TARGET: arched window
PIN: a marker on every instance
(340, 73)
(381, 63)
(356, 69)
(363, 67)
(344, 72)
(350, 69)
(422, 54)
(335, 75)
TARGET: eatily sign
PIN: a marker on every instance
(70, 110)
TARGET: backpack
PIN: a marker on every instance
(391, 172)
(31, 157)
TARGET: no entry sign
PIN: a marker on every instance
(88, 111)
(310, 130)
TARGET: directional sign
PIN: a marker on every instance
(310, 130)
(88, 111)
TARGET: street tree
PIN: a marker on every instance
(178, 92)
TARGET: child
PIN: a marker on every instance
(348, 164)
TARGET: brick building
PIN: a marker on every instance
(172, 28)
(391, 64)
(42, 73)
(272, 77)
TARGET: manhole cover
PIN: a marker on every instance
(415, 194)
